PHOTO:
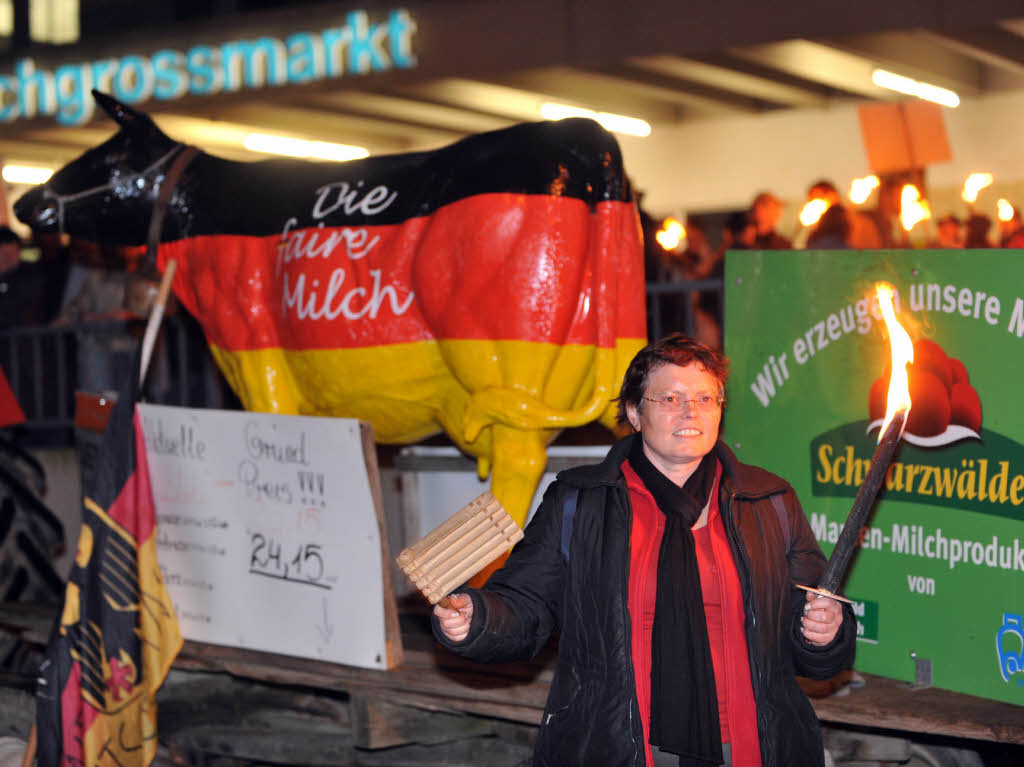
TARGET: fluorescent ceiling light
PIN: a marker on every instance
(297, 147)
(26, 174)
(894, 82)
(630, 126)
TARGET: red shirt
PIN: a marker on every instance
(720, 588)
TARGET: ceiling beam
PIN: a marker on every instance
(1000, 47)
(43, 142)
(636, 94)
(34, 151)
(730, 80)
(413, 105)
(816, 63)
(917, 56)
(643, 77)
(483, 98)
(341, 118)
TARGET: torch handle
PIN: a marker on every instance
(839, 562)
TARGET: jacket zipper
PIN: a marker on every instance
(767, 757)
(629, 625)
(727, 659)
(744, 560)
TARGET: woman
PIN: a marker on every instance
(668, 570)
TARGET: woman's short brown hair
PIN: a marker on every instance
(674, 349)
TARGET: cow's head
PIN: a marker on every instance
(106, 194)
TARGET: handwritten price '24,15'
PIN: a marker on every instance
(270, 558)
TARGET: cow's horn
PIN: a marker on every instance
(121, 113)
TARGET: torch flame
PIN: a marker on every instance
(973, 184)
(912, 208)
(671, 234)
(813, 211)
(861, 188)
(1005, 210)
(902, 355)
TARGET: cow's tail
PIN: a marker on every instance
(516, 408)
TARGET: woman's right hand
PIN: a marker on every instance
(455, 619)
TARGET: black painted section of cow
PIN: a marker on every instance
(107, 194)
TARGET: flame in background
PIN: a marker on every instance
(913, 209)
(671, 234)
(973, 184)
(861, 188)
(902, 349)
(1005, 210)
(812, 212)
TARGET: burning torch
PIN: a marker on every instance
(973, 184)
(913, 209)
(810, 214)
(897, 410)
(861, 189)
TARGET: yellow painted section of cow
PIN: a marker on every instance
(507, 398)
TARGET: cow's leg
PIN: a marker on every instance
(519, 460)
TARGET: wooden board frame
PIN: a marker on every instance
(392, 634)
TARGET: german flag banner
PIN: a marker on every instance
(10, 410)
(117, 635)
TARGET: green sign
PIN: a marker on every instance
(939, 570)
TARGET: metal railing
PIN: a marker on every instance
(672, 306)
(46, 365)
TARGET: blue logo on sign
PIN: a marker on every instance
(1010, 647)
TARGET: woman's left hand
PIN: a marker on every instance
(821, 619)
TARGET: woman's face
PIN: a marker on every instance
(676, 438)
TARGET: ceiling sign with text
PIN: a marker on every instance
(360, 45)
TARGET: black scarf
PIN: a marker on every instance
(684, 703)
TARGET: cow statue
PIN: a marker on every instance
(492, 288)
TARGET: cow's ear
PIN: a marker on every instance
(122, 114)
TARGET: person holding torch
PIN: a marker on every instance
(670, 571)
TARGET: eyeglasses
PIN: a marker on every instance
(673, 403)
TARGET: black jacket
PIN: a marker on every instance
(570, 573)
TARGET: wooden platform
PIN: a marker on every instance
(429, 678)
(435, 680)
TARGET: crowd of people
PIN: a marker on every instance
(840, 225)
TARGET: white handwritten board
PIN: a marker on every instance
(268, 533)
